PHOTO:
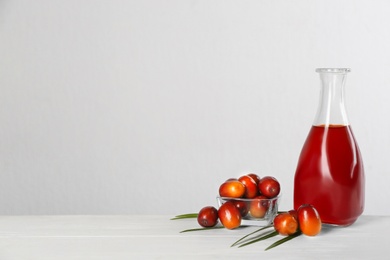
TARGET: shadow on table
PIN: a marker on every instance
(326, 228)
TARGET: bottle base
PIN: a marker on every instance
(339, 223)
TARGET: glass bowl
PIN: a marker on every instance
(255, 212)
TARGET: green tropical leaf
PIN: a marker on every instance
(199, 229)
(182, 216)
(254, 232)
(283, 240)
(263, 237)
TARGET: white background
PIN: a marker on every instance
(146, 107)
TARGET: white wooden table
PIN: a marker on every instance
(158, 237)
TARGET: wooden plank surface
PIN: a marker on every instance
(158, 237)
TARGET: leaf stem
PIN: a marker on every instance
(283, 240)
(254, 232)
(263, 237)
(189, 215)
(199, 229)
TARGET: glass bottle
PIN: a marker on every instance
(330, 173)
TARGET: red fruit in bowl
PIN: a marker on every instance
(232, 189)
(241, 206)
(251, 190)
(259, 206)
(269, 187)
(232, 179)
(255, 177)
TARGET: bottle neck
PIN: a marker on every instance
(331, 110)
